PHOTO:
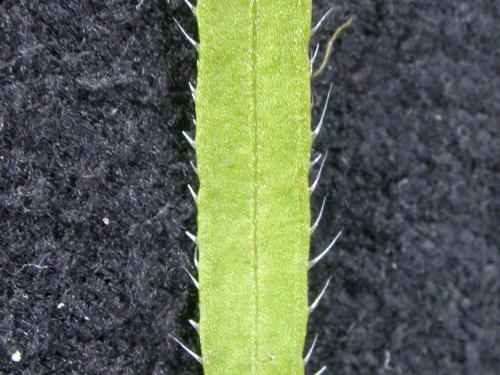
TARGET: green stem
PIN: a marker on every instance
(253, 144)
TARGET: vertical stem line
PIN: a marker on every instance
(255, 188)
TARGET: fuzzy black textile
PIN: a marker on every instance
(93, 198)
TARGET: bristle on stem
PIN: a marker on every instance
(191, 191)
(318, 176)
(193, 91)
(313, 58)
(315, 161)
(318, 298)
(322, 118)
(189, 139)
(321, 371)
(195, 325)
(320, 22)
(193, 166)
(193, 279)
(193, 42)
(318, 219)
(310, 351)
(316, 260)
(191, 236)
(187, 350)
(190, 6)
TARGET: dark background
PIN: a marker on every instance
(93, 197)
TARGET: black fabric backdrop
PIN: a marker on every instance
(93, 197)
